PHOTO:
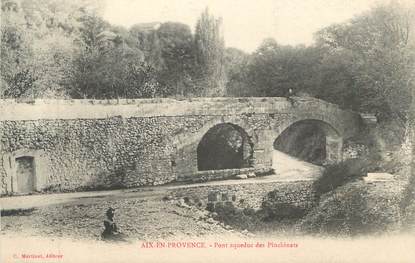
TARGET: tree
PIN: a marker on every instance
(380, 58)
(335, 79)
(145, 37)
(110, 64)
(113, 70)
(16, 52)
(236, 64)
(38, 44)
(91, 26)
(274, 69)
(209, 53)
(88, 76)
(176, 42)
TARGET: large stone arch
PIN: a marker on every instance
(186, 138)
(184, 152)
(224, 146)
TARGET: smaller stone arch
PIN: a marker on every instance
(311, 140)
(225, 146)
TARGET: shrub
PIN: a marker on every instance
(276, 207)
(273, 209)
(236, 217)
(407, 203)
(354, 209)
(339, 174)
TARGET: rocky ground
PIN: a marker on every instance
(72, 230)
(148, 215)
(357, 208)
(153, 215)
(171, 212)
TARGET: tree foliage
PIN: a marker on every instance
(377, 50)
(38, 46)
(209, 52)
(176, 42)
(236, 62)
(365, 64)
(274, 69)
(57, 48)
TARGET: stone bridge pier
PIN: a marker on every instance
(334, 149)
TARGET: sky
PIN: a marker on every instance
(246, 23)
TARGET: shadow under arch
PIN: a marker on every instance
(224, 146)
(310, 140)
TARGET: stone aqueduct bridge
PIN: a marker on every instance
(81, 144)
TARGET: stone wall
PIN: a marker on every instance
(98, 153)
(251, 195)
(355, 150)
(80, 144)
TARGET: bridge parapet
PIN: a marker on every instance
(74, 109)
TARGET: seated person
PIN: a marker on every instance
(111, 231)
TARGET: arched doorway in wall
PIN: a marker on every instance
(25, 174)
(308, 141)
(224, 146)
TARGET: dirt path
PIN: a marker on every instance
(287, 168)
(291, 168)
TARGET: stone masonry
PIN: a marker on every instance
(83, 144)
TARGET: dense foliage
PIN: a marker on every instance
(56, 48)
(354, 209)
(366, 64)
(336, 175)
(64, 49)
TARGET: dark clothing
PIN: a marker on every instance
(291, 100)
(111, 232)
(110, 228)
